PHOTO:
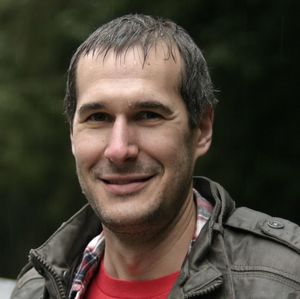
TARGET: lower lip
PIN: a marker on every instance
(125, 189)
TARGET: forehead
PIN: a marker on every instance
(160, 59)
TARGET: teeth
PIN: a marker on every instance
(124, 182)
(120, 182)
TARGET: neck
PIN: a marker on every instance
(160, 253)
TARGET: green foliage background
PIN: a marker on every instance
(252, 48)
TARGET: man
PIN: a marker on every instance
(140, 106)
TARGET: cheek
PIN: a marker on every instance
(87, 150)
(164, 148)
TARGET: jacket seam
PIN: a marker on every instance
(270, 276)
(232, 289)
(23, 283)
(257, 268)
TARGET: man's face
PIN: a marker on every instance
(133, 147)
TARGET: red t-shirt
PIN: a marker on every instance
(104, 287)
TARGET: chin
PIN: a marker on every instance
(133, 218)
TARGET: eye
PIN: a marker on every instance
(148, 115)
(99, 117)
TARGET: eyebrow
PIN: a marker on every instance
(90, 107)
(152, 105)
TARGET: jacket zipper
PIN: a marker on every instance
(204, 291)
(49, 273)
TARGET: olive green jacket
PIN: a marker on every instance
(239, 254)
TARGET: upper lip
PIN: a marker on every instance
(125, 179)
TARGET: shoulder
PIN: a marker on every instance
(30, 285)
(259, 243)
(277, 230)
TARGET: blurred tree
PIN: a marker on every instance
(251, 48)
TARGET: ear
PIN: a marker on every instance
(72, 143)
(204, 133)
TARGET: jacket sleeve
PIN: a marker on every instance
(30, 285)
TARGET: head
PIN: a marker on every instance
(146, 32)
(139, 121)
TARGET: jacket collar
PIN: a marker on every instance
(217, 196)
(65, 247)
(63, 250)
(199, 276)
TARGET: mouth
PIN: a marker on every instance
(125, 185)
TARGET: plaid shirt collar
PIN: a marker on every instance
(93, 252)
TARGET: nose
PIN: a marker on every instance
(121, 144)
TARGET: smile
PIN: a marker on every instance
(125, 185)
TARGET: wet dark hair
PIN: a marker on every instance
(137, 30)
